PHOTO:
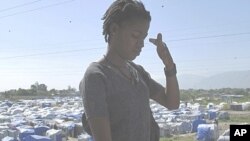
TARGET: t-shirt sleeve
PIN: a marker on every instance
(154, 87)
(92, 89)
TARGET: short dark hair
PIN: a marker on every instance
(123, 10)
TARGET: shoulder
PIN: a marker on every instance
(94, 72)
(140, 69)
(94, 67)
(137, 66)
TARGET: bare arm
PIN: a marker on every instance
(170, 96)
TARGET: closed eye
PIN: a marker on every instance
(138, 36)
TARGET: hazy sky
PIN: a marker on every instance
(53, 41)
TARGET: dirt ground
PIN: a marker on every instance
(236, 117)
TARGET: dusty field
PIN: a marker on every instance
(236, 117)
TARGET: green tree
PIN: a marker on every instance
(53, 92)
(22, 92)
(39, 89)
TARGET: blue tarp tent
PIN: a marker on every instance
(41, 130)
(203, 133)
(207, 132)
(44, 105)
(37, 138)
(8, 139)
(196, 123)
(212, 114)
(25, 132)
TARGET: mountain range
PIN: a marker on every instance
(234, 79)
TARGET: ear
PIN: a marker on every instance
(114, 27)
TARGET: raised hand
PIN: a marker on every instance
(163, 51)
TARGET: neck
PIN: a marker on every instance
(114, 58)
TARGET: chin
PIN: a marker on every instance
(132, 58)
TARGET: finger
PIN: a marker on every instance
(152, 41)
(157, 41)
(159, 38)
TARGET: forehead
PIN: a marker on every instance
(136, 25)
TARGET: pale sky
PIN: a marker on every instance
(53, 41)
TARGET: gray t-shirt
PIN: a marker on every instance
(106, 93)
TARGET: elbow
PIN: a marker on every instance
(175, 107)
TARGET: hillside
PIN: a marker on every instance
(236, 79)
